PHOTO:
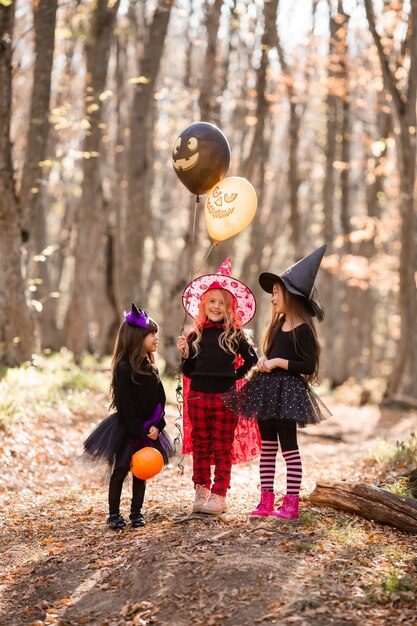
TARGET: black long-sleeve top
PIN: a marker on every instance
(137, 399)
(301, 356)
(213, 370)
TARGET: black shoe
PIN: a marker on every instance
(116, 521)
(136, 520)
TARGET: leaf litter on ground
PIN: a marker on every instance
(62, 565)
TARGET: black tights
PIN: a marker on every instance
(115, 491)
(271, 430)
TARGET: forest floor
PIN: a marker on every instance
(60, 563)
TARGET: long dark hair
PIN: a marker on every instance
(129, 347)
(296, 307)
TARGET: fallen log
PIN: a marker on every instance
(368, 501)
(400, 400)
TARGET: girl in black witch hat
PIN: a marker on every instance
(279, 395)
(138, 396)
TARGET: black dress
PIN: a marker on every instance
(140, 402)
(281, 394)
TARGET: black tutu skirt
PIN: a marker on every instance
(278, 395)
(109, 442)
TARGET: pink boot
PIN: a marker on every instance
(266, 505)
(289, 508)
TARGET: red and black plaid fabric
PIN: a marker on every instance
(246, 442)
(213, 426)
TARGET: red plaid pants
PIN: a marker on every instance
(213, 426)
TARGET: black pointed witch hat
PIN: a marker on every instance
(299, 280)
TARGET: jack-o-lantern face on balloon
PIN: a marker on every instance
(230, 207)
(220, 204)
(189, 154)
(201, 157)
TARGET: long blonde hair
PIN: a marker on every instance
(296, 307)
(228, 340)
(129, 346)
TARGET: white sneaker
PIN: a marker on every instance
(215, 505)
(202, 494)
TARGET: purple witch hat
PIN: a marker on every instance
(137, 317)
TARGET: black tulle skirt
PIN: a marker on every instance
(109, 442)
(278, 395)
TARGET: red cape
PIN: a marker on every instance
(246, 442)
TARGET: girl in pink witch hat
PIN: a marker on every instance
(216, 354)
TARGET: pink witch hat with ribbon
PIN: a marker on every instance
(222, 279)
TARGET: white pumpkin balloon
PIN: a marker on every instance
(230, 207)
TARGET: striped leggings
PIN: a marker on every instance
(273, 434)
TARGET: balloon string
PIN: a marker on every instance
(178, 391)
(197, 271)
(178, 420)
(180, 402)
(197, 200)
(184, 319)
(205, 258)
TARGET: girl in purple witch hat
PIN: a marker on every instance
(138, 397)
(279, 395)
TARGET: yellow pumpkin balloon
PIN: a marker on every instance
(230, 207)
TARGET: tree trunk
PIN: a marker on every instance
(140, 164)
(118, 196)
(208, 82)
(224, 64)
(173, 312)
(254, 165)
(209, 90)
(330, 289)
(369, 502)
(342, 366)
(293, 158)
(32, 195)
(58, 249)
(402, 378)
(17, 342)
(82, 319)
(44, 14)
(365, 350)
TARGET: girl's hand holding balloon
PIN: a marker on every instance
(153, 433)
(183, 347)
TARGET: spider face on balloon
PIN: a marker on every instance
(220, 204)
(185, 154)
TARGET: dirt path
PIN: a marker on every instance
(60, 564)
